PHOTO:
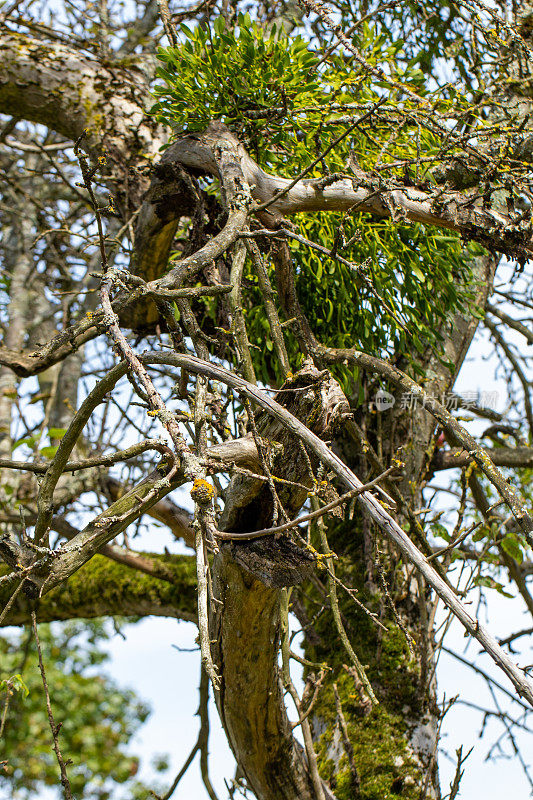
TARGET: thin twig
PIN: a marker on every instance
(10, 602)
(335, 610)
(305, 517)
(65, 783)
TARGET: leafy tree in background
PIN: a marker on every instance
(101, 718)
(251, 262)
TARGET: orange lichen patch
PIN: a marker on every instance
(202, 491)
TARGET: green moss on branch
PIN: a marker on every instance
(104, 588)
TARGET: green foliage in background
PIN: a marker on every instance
(286, 106)
(97, 717)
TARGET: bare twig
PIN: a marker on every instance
(65, 783)
(313, 515)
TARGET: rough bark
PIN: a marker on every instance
(104, 588)
(72, 92)
(452, 210)
(456, 457)
(246, 633)
(245, 623)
